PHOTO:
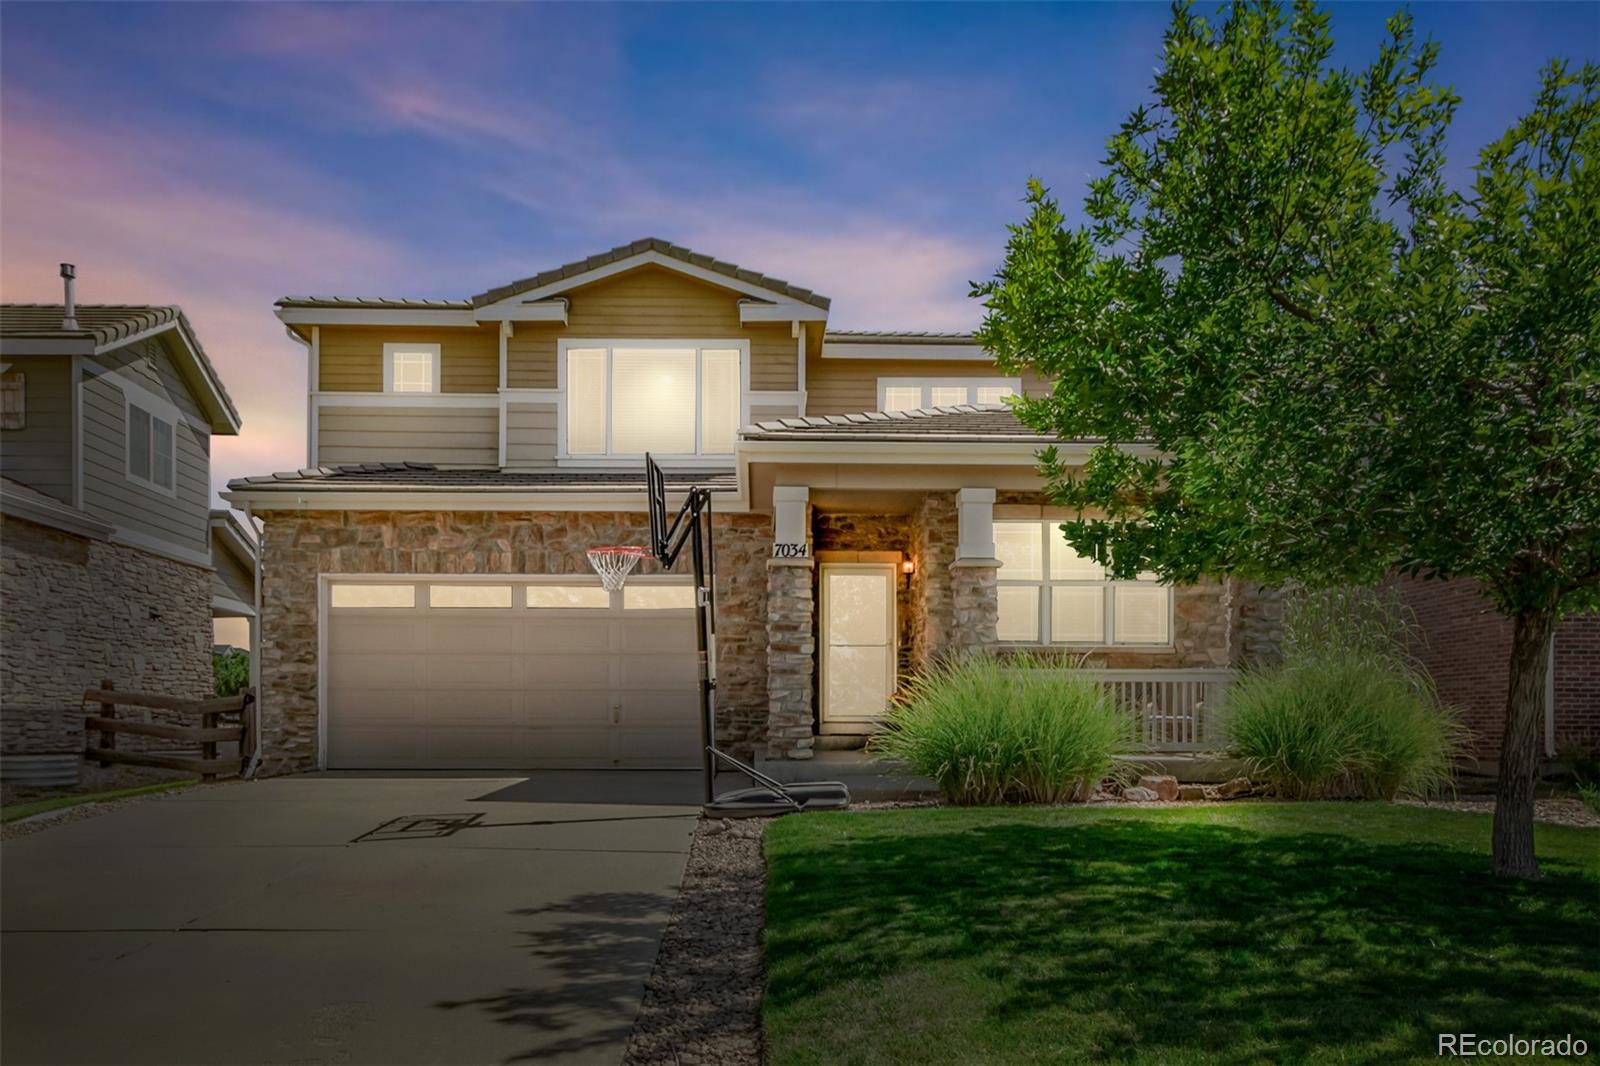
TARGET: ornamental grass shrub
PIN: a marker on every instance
(1015, 730)
(1350, 713)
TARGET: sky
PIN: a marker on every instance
(220, 156)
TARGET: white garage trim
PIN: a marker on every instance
(621, 607)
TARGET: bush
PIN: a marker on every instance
(230, 673)
(1350, 713)
(1018, 730)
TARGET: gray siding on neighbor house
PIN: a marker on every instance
(233, 578)
(148, 364)
(39, 455)
(530, 434)
(181, 519)
(448, 436)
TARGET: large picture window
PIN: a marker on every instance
(1049, 594)
(668, 397)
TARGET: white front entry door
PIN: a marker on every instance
(858, 643)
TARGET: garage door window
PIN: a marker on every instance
(657, 597)
(568, 596)
(479, 596)
(374, 596)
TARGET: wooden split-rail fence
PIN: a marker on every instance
(204, 737)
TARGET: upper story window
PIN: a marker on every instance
(13, 400)
(410, 368)
(909, 394)
(670, 398)
(152, 451)
(1049, 594)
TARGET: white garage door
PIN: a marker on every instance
(446, 672)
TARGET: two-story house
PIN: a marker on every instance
(105, 490)
(425, 597)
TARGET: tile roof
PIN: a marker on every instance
(427, 477)
(972, 423)
(377, 303)
(651, 244)
(898, 336)
(106, 324)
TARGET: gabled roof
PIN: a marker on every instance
(898, 336)
(105, 326)
(368, 303)
(661, 247)
(967, 423)
(426, 477)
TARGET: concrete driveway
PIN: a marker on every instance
(343, 918)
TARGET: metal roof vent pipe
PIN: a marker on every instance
(69, 306)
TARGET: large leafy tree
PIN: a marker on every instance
(1350, 368)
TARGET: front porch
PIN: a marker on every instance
(866, 589)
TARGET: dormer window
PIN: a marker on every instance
(670, 398)
(910, 394)
(411, 368)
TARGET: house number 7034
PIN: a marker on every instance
(791, 551)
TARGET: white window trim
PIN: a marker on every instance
(928, 384)
(1108, 586)
(610, 458)
(389, 350)
(158, 411)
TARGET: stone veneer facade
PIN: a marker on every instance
(78, 611)
(298, 546)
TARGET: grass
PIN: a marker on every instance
(1246, 933)
(11, 812)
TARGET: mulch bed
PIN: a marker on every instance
(702, 1004)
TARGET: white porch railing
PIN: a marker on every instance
(1176, 710)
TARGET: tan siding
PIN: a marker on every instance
(531, 434)
(451, 436)
(350, 358)
(39, 455)
(768, 412)
(110, 494)
(849, 386)
(651, 303)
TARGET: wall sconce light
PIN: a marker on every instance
(908, 567)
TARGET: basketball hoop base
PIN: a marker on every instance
(764, 802)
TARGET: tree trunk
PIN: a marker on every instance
(1520, 745)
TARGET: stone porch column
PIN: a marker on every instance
(791, 627)
(973, 574)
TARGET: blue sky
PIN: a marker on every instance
(220, 156)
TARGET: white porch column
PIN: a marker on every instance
(976, 518)
(791, 523)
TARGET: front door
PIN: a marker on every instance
(858, 644)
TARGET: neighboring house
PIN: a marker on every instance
(425, 597)
(233, 585)
(105, 451)
(1467, 649)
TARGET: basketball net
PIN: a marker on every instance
(614, 563)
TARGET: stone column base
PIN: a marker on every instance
(791, 658)
(975, 590)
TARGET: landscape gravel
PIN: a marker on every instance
(702, 1003)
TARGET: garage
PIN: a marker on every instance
(463, 672)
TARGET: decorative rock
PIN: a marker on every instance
(1191, 793)
(1163, 785)
(1139, 795)
(1239, 786)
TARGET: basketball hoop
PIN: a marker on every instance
(614, 563)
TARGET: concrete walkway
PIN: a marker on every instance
(342, 918)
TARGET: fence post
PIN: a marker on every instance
(108, 739)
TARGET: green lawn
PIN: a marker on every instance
(28, 808)
(1247, 933)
